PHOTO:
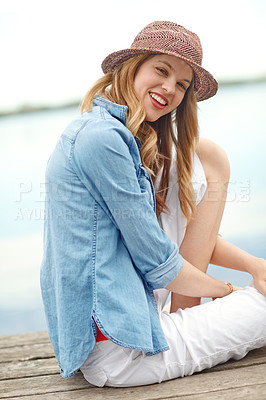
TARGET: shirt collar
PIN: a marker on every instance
(116, 110)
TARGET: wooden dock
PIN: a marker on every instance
(29, 371)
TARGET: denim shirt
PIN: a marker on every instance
(104, 252)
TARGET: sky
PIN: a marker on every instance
(51, 51)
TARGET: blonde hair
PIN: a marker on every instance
(178, 129)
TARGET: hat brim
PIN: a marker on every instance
(205, 85)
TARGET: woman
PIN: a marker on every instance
(108, 265)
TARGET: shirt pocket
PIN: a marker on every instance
(146, 185)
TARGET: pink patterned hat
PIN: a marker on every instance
(164, 37)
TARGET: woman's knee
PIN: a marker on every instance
(214, 160)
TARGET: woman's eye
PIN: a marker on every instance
(161, 70)
(182, 86)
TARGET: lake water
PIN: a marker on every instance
(235, 118)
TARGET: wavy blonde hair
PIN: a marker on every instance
(178, 129)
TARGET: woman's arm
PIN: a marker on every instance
(193, 282)
(102, 158)
(227, 255)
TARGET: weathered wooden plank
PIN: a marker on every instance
(244, 380)
(42, 384)
(253, 392)
(24, 369)
(26, 352)
(23, 339)
(257, 392)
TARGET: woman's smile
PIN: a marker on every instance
(158, 100)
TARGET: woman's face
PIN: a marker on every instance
(161, 83)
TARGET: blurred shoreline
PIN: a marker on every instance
(29, 108)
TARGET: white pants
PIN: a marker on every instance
(198, 337)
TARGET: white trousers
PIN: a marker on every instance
(198, 337)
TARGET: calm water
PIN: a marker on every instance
(235, 118)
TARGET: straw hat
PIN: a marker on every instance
(164, 37)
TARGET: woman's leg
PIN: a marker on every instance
(201, 234)
(216, 331)
(198, 338)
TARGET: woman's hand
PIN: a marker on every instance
(258, 271)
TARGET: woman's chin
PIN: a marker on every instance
(150, 118)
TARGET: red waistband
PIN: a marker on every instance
(100, 336)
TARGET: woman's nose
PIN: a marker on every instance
(169, 86)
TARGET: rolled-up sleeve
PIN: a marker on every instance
(158, 275)
(102, 160)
